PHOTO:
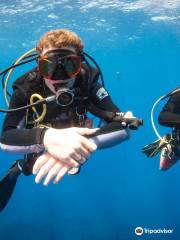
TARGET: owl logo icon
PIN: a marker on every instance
(139, 231)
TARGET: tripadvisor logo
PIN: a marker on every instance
(139, 231)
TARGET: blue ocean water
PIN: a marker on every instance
(137, 46)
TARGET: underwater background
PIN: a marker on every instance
(137, 45)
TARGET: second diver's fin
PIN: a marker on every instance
(154, 148)
(8, 183)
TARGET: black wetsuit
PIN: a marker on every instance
(170, 115)
(21, 135)
(28, 138)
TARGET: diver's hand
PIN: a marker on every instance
(69, 145)
(49, 168)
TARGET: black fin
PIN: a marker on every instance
(154, 148)
(7, 184)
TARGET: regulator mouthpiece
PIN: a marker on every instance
(64, 97)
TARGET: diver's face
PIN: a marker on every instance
(59, 67)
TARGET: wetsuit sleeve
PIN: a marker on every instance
(101, 98)
(14, 137)
(112, 133)
(170, 115)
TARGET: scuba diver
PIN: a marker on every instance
(169, 145)
(47, 118)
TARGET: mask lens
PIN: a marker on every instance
(47, 67)
(72, 65)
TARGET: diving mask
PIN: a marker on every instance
(59, 64)
(59, 68)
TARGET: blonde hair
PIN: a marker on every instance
(58, 39)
